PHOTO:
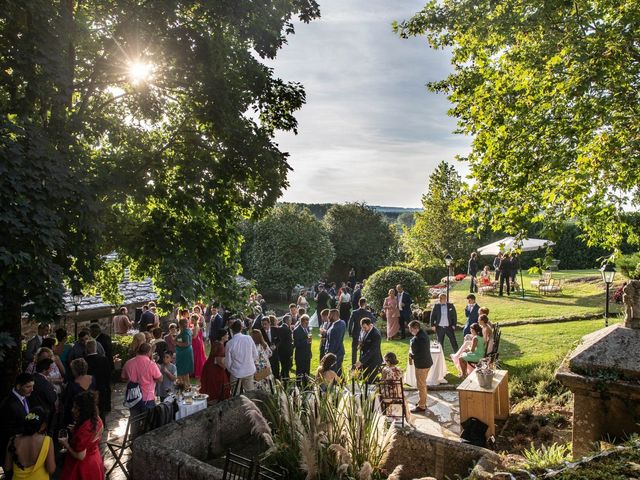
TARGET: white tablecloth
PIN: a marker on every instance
(436, 373)
(185, 410)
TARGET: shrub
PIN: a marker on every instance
(120, 345)
(628, 264)
(380, 282)
(546, 457)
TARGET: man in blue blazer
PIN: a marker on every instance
(471, 311)
(443, 321)
(335, 339)
(302, 345)
(404, 304)
(370, 352)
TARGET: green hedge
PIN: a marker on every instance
(121, 345)
(378, 285)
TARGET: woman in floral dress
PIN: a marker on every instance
(264, 352)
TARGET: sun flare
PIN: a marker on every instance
(140, 72)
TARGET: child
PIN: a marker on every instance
(169, 375)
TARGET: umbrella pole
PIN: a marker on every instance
(521, 283)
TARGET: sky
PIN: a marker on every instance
(370, 130)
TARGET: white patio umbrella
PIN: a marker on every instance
(510, 243)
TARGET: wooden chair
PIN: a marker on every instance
(237, 467)
(264, 473)
(136, 425)
(391, 392)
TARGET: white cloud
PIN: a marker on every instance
(370, 130)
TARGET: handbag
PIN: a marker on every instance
(132, 395)
(262, 374)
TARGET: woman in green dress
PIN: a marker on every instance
(477, 349)
(184, 351)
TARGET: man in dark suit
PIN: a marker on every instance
(471, 311)
(100, 370)
(404, 304)
(104, 340)
(420, 356)
(302, 344)
(36, 342)
(472, 271)
(147, 319)
(217, 322)
(257, 318)
(284, 347)
(322, 300)
(370, 353)
(335, 339)
(505, 273)
(14, 408)
(353, 327)
(270, 335)
(443, 321)
(44, 395)
(355, 296)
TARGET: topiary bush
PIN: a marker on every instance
(378, 285)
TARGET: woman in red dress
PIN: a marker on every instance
(83, 460)
(199, 354)
(215, 381)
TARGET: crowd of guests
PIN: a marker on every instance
(61, 401)
(58, 405)
(506, 267)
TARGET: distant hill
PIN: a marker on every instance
(320, 209)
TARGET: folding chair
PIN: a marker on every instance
(237, 467)
(492, 355)
(136, 425)
(391, 392)
(264, 473)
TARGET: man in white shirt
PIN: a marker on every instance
(240, 357)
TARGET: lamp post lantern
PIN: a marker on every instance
(608, 273)
(448, 261)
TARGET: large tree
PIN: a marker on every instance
(361, 238)
(289, 246)
(436, 232)
(550, 92)
(140, 127)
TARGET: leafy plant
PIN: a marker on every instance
(538, 459)
(628, 265)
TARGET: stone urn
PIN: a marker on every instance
(603, 373)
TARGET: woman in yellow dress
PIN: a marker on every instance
(30, 454)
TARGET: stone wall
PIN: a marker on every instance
(180, 449)
(423, 455)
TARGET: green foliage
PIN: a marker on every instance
(627, 264)
(121, 345)
(545, 90)
(536, 384)
(541, 264)
(573, 252)
(436, 232)
(290, 246)
(539, 459)
(361, 238)
(379, 284)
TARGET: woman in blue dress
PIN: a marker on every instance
(184, 351)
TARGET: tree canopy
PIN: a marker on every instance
(550, 93)
(143, 128)
(436, 232)
(289, 247)
(361, 238)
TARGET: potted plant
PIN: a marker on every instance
(484, 373)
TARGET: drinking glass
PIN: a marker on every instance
(63, 434)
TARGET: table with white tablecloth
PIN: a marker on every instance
(184, 409)
(437, 371)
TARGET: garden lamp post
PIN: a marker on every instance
(448, 261)
(608, 272)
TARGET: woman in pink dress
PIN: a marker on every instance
(199, 355)
(392, 314)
